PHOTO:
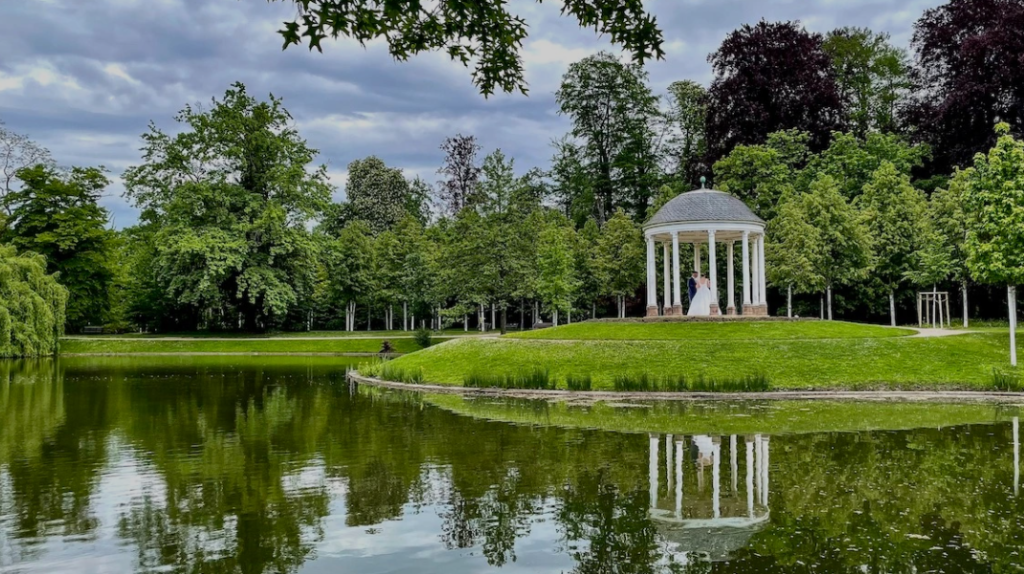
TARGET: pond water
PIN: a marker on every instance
(273, 464)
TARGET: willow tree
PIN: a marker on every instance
(31, 305)
(233, 194)
(994, 199)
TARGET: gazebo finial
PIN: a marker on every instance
(702, 180)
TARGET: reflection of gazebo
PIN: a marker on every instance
(699, 217)
(706, 523)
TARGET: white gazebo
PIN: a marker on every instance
(706, 216)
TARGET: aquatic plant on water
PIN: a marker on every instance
(535, 379)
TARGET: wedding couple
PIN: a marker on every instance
(700, 296)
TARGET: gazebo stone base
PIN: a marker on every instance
(756, 310)
(715, 309)
(730, 311)
(674, 311)
(652, 311)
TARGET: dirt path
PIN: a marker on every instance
(930, 333)
(587, 397)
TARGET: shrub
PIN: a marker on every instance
(578, 382)
(644, 382)
(423, 337)
(389, 372)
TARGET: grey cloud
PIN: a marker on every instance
(351, 102)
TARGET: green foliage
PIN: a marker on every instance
(535, 379)
(232, 196)
(579, 382)
(423, 338)
(895, 214)
(948, 224)
(994, 200)
(843, 250)
(791, 246)
(622, 255)
(378, 194)
(761, 174)
(615, 154)
(646, 382)
(57, 216)
(687, 137)
(556, 278)
(32, 306)
(852, 160)
(484, 32)
(1006, 382)
(873, 77)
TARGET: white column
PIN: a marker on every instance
(716, 480)
(679, 479)
(750, 478)
(763, 288)
(746, 268)
(668, 277)
(731, 281)
(676, 297)
(696, 257)
(755, 274)
(712, 267)
(652, 279)
(653, 471)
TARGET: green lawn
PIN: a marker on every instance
(727, 417)
(762, 331)
(116, 346)
(788, 361)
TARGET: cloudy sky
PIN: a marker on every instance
(85, 77)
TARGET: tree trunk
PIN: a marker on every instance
(369, 319)
(964, 289)
(493, 318)
(536, 312)
(522, 315)
(465, 322)
(892, 308)
(405, 315)
(504, 318)
(593, 310)
(568, 316)
(348, 317)
(821, 307)
(554, 318)
(789, 302)
(934, 305)
(828, 294)
(480, 317)
(1011, 300)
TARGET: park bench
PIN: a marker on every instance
(541, 325)
(92, 330)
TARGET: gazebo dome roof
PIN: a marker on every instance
(704, 205)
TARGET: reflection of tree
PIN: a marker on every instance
(227, 448)
(614, 525)
(52, 449)
(237, 462)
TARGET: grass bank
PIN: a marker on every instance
(723, 331)
(107, 346)
(448, 333)
(790, 356)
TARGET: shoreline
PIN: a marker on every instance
(587, 397)
(233, 354)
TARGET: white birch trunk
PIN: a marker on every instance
(892, 308)
(964, 289)
(828, 294)
(1011, 297)
(789, 302)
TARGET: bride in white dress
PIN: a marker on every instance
(701, 304)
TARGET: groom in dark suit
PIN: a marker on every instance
(691, 284)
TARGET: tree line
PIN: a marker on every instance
(845, 144)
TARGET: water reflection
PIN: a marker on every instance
(277, 465)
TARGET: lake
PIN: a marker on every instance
(277, 464)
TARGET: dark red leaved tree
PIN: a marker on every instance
(769, 77)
